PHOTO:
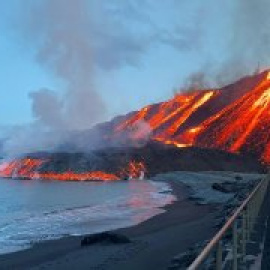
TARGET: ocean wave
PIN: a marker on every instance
(142, 201)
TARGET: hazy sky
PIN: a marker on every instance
(138, 51)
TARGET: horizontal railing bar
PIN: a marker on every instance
(215, 240)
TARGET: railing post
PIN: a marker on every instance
(252, 213)
(235, 245)
(242, 223)
(219, 256)
(243, 236)
(248, 222)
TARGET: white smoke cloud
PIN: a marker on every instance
(75, 38)
(48, 109)
(26, 139)
(72, 40)
(248, 46)
(236, 40)
(64, 47)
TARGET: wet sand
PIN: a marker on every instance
(154, 243)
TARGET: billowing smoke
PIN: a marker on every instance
(25, 139)
(61, 30)
(236, 40)
(73, 41)
(195, 81)
(48, 109)
(249, 43)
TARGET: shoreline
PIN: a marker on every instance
(168, 233)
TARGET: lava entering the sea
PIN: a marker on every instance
(29, 168)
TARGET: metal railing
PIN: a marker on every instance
(240, 225)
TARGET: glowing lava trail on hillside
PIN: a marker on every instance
(206, 118)
(244, 125)
(167, 118)
(241, 126)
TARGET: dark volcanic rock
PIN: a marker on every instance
(228, 187)
(220, 187)
(158, 158)
(105, 237)
(183, 260)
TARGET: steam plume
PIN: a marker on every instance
(249, 45)
(239, 40)
(75, 38)
(72, 40)
(64, 48)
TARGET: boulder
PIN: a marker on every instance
(105, 237)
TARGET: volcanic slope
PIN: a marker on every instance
(234, 118)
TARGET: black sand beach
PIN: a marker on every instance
(154, 243)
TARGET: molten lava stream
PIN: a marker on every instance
(232, 127)
(129, 122)
(189, 111)
(134, 169)
(20, 168)
(167, 110)
(29, 168)
(73, 176)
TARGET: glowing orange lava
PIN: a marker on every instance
(171, 114)
(20, 167)
(28, 168)
(241, 125)
(134, 169)
(73, 176)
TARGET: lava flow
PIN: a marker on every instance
(134, 170)
(29, 168)
(234, 118)
(242, 126)
(168, 117)
(21, 168)
(74, 176)
(213, 118)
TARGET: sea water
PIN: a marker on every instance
(32, 211)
